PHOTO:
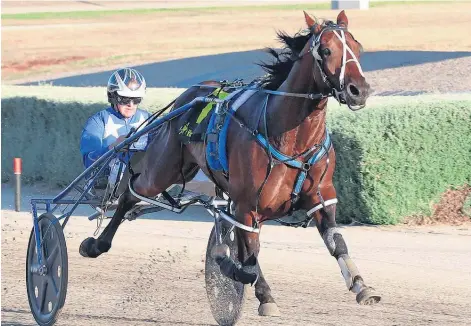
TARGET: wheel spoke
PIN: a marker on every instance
(54, 285)
(42, 295)
(34, 255)
(52, 256)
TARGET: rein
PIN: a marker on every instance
(314, 50)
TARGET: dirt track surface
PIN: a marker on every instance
(154, 274)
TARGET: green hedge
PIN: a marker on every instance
(394, 158)
(42, 125)
(46, 136)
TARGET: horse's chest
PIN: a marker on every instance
(277, 188)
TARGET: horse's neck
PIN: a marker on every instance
(297, 123)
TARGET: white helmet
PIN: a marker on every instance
(126, 82)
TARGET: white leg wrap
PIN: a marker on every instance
(328, 238)
(349, 271)
(326, 203)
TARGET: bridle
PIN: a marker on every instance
(339, 32)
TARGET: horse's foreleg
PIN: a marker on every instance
(268, 306)
(337, 247)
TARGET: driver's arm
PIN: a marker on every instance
(91, 141)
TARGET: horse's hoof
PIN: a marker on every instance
(269, 309)
(368, 296)
(88, 248)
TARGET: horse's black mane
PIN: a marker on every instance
(279, 70)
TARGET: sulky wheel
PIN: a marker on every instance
(47, 285)
(226, 297)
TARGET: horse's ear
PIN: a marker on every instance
(342, 19)
(309, 20)
(311, 23)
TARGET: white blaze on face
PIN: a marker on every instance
(344, 58)
(345, 48)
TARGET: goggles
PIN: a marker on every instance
(127, 100)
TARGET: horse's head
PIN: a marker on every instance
(336, 54)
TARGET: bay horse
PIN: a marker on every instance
(290, 112)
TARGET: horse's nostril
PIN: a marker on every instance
(353, 90)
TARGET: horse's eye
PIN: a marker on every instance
(326, 52)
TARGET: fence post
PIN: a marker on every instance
(17, 172)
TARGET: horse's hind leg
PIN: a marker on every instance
(325, 220)
(143, 185)
(93, 248)
(160, 168)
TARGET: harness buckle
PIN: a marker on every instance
(306, 167)
(294, 198)
(306, 222)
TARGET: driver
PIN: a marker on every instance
(109, 127)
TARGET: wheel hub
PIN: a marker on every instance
(42, 270)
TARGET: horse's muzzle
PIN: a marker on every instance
(356, 95)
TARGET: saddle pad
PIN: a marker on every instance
(192, 125)
(216, 152)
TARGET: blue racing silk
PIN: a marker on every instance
(103, 128)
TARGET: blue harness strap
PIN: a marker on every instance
(212, 155)
(223, 141)
(216, 151)
(303, 166)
